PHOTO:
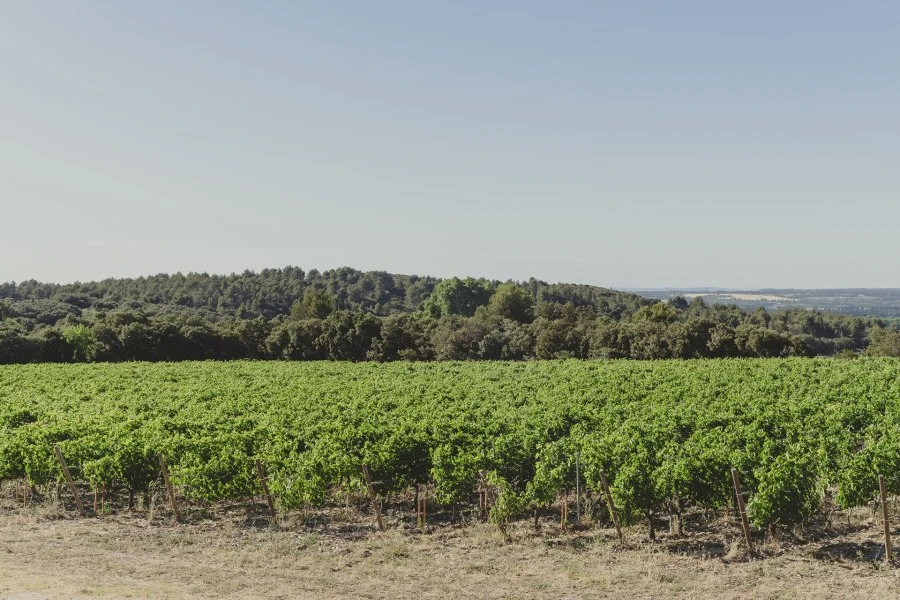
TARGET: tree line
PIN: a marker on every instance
(346, 314)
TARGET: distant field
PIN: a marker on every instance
(877, 302)
(738, 297)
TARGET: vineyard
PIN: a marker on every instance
(805, 435)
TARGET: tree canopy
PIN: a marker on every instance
(347, 314)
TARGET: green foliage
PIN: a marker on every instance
(656, 313)
(884, 342)
(788, 491)
(875, 450)
(345, 314)
(315, 304)
(403, 337)
(82, 341)
(458, 297)
(455, 469)
(507, 504)
(666, 433)
(510, 301)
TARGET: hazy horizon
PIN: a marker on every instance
(683, 288)
(628, 146)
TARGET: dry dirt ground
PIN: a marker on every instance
(47, 552)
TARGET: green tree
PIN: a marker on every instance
(458, 297)
(347, 335)
(81, 339)
(656, 313)
(457, 338)
(403, 337)
(316, 304)
(754, 340)
(884, 342)
(512, 302)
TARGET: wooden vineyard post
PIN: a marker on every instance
(888, 552)
(484, 491)
(371, 487)
(422, 508)
(71, 482)
(564, 511)
(169, 488)
(612, 507)
(265, 488)
(482, 500)
(151, 507)
(347, 498)
(577, 488)
(745, 524)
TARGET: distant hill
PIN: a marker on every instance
(864, 302)
(271, 292)
(347, 314)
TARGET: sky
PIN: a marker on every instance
(624, 144)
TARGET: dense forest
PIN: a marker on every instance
(346, 314)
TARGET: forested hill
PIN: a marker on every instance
(272, 292)
(345, 314)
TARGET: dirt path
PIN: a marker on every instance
(44, 555)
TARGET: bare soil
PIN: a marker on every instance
(47, 552)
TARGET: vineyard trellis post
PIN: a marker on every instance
(612, 507)
(151, 507)
(577, 488)
(422, 506)
(169, 488)
(483, 490)
(745, 524)
(888, 552)
(374, 498)
(69, 480)
(265, 487)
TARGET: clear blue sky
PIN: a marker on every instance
(627, 144)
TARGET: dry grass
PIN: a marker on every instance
(230, 552)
